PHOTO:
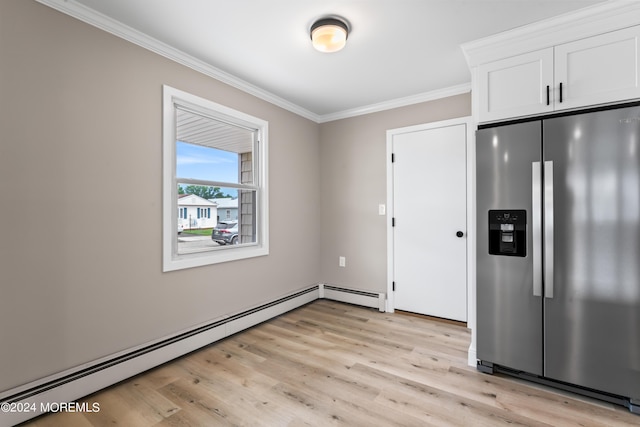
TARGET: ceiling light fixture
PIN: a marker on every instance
(329, 34)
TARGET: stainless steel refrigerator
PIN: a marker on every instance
(558, 255)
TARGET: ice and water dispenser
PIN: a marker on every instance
(507, 232)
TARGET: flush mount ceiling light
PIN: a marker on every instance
(329, 34)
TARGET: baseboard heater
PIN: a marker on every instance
(353, 296)
(23, 403)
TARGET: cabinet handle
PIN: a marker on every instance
(547, 94)
(560, 91)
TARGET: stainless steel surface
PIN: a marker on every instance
(536, 227)
(548, 229)
(583, 204)
(592, 325)
(509, 317)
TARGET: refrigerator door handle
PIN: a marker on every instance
(548, 229)
(536, 221)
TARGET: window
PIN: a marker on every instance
(211, 152)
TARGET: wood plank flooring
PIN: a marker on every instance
(329, 363)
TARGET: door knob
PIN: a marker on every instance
(459, 234)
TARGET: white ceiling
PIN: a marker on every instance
(396, 49)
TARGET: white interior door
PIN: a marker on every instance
(430, 212)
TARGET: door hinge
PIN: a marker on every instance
(393, 286)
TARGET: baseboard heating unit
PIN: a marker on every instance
(33, 399)
(353, 296)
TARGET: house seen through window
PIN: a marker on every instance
(217, 166)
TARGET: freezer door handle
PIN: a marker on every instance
(536, 220)
(548, 229)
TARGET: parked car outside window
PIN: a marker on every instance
(225, 233)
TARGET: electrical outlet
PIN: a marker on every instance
(382, 209)
(342, 261)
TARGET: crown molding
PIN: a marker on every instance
(125, 32)
(596, 19)
(396, 103)
(98, 20)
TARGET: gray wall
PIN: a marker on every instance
(80, 115)
(353, 184)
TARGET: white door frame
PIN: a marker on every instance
(471, 213)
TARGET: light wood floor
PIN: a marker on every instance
(329, 363)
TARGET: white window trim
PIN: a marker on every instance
(171, 259)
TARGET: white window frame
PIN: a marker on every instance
(171, 259)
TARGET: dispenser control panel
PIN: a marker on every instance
(508, 232)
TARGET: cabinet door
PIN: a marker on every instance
(598, 69)
(516, 86)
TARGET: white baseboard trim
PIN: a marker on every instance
(41, 396)
(264, 312)
(33, 399)
(472, 357)
(353, 296)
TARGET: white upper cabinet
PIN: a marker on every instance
(516, 86)
(598, 69)
(595, 70)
